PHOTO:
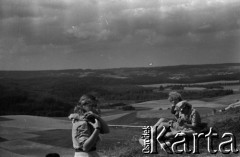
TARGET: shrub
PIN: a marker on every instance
(117, 104)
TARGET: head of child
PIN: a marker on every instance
(175, 97)
(184, 107)
(88, 103)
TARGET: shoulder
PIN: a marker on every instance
(81, 123)
(74, 116)
(194, 112)
(183, 102)
(195, 115)
(180, 103)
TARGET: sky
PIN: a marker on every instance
(99, 34)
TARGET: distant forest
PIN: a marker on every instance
(52, 93)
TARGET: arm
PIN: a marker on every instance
(189, 125)
(159, 125)
(104, 127)
(172, 133)
(74, 117)
(91, 141)
(195, 121)
(188, 132)
(173, 111)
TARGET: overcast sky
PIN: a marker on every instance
(66, 34)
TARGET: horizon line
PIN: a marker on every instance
(41, 70)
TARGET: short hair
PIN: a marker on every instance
(183, 104)
(78, 109)
(88, 99)
(53, 155)
(174, 96)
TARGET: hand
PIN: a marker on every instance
(90, 115)
(185, 125)
(96, 124)
(170, 134)
(74, 116)
(180, 122)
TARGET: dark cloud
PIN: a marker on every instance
(163, 20)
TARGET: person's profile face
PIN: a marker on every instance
(86, 107)
(173, 101)
(170, 100)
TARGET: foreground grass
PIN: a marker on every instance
(229, 124)
(123, 142)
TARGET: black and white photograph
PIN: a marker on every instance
(119, 78)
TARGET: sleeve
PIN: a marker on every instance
(173, 111)
(80, 134)
(74, 116)
(195, 120)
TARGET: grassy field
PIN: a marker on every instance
(225, 100)
(235, 88)
(34, 136)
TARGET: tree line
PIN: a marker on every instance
(57, 97)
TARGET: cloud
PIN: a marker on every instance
(30, 27)
(168, 18)
(114, 20)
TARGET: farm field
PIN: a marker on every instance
(35, 136)
(200, 83)
(235, 88)
(225, 100)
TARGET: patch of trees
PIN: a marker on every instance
(112, 105)
(177, 87)
(204, 94)
(206, 86)
(57, 96)
(120, 106)
(127, 108)
(20, 102)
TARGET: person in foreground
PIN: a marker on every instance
(86, 127)
(186, 120)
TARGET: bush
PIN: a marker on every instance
(117, 104)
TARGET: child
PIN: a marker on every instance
(87, 125)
